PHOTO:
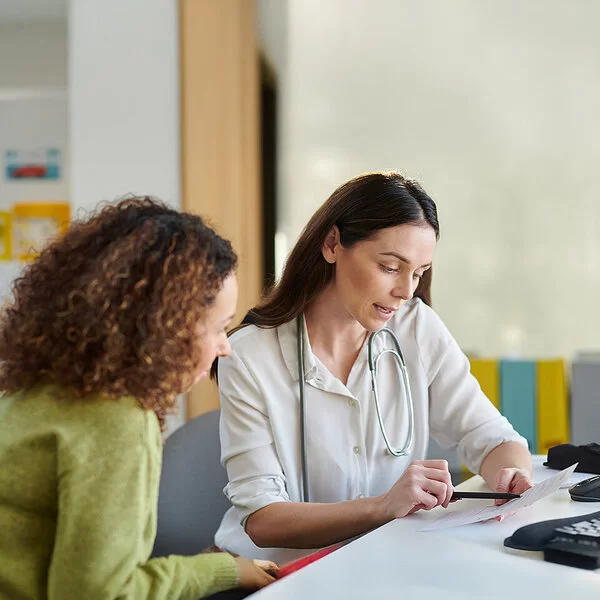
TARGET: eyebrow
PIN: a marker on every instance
(403, 259)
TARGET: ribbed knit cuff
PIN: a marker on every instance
(225, 575)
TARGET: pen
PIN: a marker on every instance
(489, 495)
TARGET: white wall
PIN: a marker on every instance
(33, 54)
(493, 107)
(124, 94)
(272, 35)
(124, 103)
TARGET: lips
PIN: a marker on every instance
(384, 312)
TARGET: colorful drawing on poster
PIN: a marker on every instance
(5, 236)
(35, 224)
(38, 163)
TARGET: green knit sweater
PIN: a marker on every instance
(78, 496)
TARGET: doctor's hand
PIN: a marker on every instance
(424, 485)
(512, 480)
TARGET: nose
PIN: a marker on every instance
(404, 288)
(225, 348)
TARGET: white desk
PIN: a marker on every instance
(397, 561)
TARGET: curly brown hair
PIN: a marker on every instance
(111, 308)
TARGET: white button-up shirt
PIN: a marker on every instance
(346, 454)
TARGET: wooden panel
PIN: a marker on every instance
(220, 140)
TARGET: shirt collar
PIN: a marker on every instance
(289, 349)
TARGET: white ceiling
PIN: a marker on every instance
(33, 10)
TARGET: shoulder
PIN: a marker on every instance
(118, 428)
(254, 346)
(421, 320)
(421, 324)
(251, 336)
(100, 419)
(111, 413)
(258, 355)
(86, 427)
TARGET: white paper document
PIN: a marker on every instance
(537, 492)
(540, 473)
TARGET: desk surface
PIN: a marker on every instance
(397, 561)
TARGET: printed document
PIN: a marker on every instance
(529, 497)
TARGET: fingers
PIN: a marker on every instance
(261, 579)
(424, 485)
(442, 475)
(504, 483)
(253, 574)
(432, 484)
(521, 483)
(265, 579)
(504, 480)
(426, 500)
(512, 480)
(437, 489)
(437, 463)
(268, 566)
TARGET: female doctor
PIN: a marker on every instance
(362, 263)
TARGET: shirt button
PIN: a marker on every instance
(351, 402)
(356, 449)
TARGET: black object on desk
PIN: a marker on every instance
(569, 541)
(488, 495)
(564, 455)
(576, 544)
(587, 490)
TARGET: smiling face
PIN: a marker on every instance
(212, 330)
(374, 277)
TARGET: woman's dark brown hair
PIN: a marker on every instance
(359, 208)
(112, 307)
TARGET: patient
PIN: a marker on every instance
(106, 327)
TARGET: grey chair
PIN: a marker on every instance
(191, 502)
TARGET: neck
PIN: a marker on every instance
(331, 330)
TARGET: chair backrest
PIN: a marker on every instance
(191, 502)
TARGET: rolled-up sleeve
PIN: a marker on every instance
(248, 452)
(461, 415)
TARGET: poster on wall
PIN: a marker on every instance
(32, 163)
(34, 175)
(35, 224)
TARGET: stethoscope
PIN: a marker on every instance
(396, 352)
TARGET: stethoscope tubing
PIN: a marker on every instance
(396, 352)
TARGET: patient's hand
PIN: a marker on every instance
(255, 574)
(267, 565)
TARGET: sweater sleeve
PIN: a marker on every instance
(108, 482)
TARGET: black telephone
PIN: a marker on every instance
(573, 541)
(576, 544)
